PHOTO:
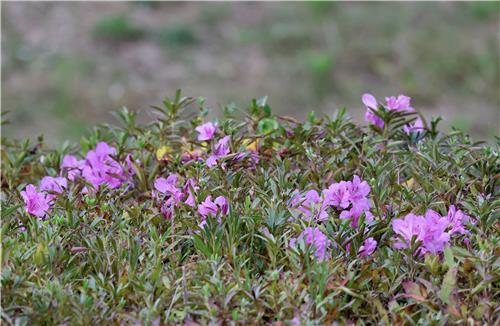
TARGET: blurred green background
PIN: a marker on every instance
(65, 66)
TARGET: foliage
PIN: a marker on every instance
(110, 256)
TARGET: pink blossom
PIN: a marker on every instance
(368, 247)
(73, 166)
(100, 168)
(189, 188)
(212, 208)
(407, 228)
(433, 233)
(207, 207)
(457, 219)
(36, 203)
(168, 188)
(400, 103)
(206, 131)
(220, 149)
(221, 201)
(167, 210)
(337, 194)
(429, 230)
(351, 197)
(371, 117)
(371, 105)
(369, 101)
(417, 126)
(357, 189)
(310, 205)
(53, 184)
(316, 239)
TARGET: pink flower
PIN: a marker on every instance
(167, 185)
(168, 188)
(310, 205)
(457, 219)
(371, 105)
(337, 194)
(211, 208)
(53, 184)
(36, 203)
(73, 166)
(417, 126)
(429, 230)
(316, 239)
(220, 149)
(207, 208)
(221, 201)
(100, 168)
(351, 196)
(206, 131)
(433, 233)
(368, 247)
(358, 190)
(407, 228)
(188, 190)
(369, 101)
(400, 103)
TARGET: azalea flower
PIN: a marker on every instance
(35, 203)
(206, 131)
(337, 194)
(415, 127)
(73, 166)
(220, 149)
(400, 103)
(368, 247)
(211, 208)
(53, 184)
(316, 239)
(351, 197)
(433, 233)
(100, 168)
(432, 230)
(371, 105)
(407, 228)
(457, 220)
(188, 189)
(311, 205)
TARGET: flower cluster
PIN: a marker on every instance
(315, 239)
(432, 230)
(348, 197)
(97, 168)
(39, 203)
(220, 149)
(219, 206)
(170, 195)
(393, 103)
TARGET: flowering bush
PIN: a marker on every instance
(252, 219)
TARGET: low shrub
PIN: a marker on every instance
(252, 219)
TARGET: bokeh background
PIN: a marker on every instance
(65, 66)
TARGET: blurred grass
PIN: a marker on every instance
(66, 66)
